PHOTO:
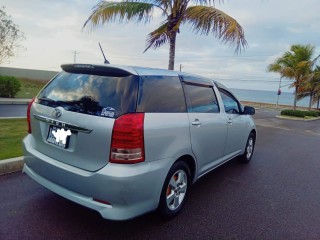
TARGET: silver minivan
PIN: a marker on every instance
(129, 140)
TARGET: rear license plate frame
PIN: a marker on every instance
(51, 139)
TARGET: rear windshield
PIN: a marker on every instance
(91, 94)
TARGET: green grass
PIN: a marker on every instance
(12, 131)
(30, 87)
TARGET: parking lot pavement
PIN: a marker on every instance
(267, 118)
(13, 110)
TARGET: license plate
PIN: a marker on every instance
(59, 136)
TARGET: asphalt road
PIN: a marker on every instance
(7, 110)
(276, 196)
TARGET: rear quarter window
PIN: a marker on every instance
(160, 94)
(91, 94)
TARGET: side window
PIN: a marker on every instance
(202, 99)
(231, 105)
(160, 94)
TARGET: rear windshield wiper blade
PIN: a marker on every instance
(46, 99)
(51, 102)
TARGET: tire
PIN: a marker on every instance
(248, 152)
(175, 190)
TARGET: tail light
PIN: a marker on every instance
(28, 115)
(127, 144)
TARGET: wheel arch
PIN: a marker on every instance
(254, 131)
(190, 161)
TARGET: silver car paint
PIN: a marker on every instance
(239, 125)
(131, 189)
(208, 139)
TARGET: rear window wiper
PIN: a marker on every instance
(46, 99)
(51, 102)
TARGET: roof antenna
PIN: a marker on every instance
(105, 60)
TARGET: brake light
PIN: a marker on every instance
(127, 144)
(101, 201)
(28, 114)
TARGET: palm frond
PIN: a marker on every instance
(158, 37)
(274, 67)
(205, 20)
(287, 72)
(302, 52)
(295, 64)
(206, 2)
(163, 5)
(119, 11)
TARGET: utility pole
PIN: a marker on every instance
(279, 92)
(180, 67)
(75, 55)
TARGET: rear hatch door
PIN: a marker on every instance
(72, 117)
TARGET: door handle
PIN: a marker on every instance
(229, 121)
(196, 122)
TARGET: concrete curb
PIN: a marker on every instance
(11, 165)
(297, 119)
(13, 117)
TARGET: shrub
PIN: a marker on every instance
(293, 113)
(9, 86)
(298, 113)
(312, 113)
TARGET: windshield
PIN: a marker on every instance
(91, 94)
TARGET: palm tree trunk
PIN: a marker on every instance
(310, 101)
(172, 51)
(295, 99)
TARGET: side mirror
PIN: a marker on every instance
(249, 110)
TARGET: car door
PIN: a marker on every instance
(208, 126)
(237, 133)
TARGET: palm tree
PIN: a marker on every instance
(203, 18)
(311, 88)
(296, 65)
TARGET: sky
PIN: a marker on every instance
(53, 31)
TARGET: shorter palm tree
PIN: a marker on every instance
(311, 88)
(296, 65)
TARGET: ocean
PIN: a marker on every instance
(285, 98)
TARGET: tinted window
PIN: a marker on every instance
(230, 103)
(160, 94)
(91, 94)
(202, 99)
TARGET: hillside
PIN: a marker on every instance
(27, 73)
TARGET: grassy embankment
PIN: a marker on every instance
(30, 87)
(12, 132)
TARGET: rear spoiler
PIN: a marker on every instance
(107, 70)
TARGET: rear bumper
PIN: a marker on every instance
(131, 190)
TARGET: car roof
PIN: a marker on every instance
(123, 70)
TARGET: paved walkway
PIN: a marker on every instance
(14, 101)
